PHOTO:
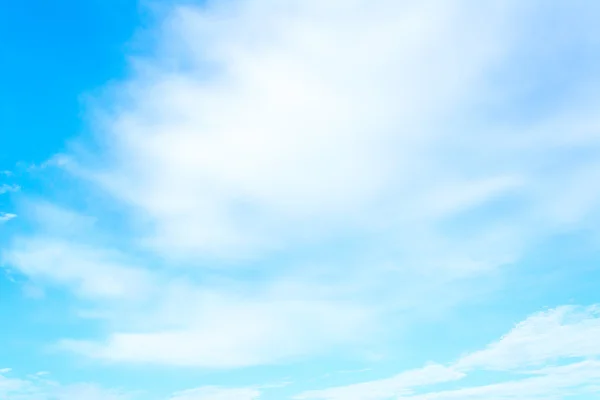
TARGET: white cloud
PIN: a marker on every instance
(89, 271)
(562, 341)
(257, 127)
(217, 393)
(57, 221)
(89, 392)
(402, 383)
(36, 388)
(209, 327)
(565, 332)
(304, 129)
(260, 126)
(8, 385)
(4, 217)
(242, 134)
(557, 383)
(5, 188)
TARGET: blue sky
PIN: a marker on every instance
(271, 200)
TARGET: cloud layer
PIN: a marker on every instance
(270, 166)
(550, 355)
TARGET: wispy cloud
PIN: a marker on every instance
(216, 393)
(5, 188)
(563, 382)
(564, 338)
(6, 216)
(41, 387)
(565, 332)
(89, 272)
(402, 383)
(37, 388)
(219, 328)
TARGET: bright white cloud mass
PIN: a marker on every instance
(281, 183)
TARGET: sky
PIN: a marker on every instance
(299, 200)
